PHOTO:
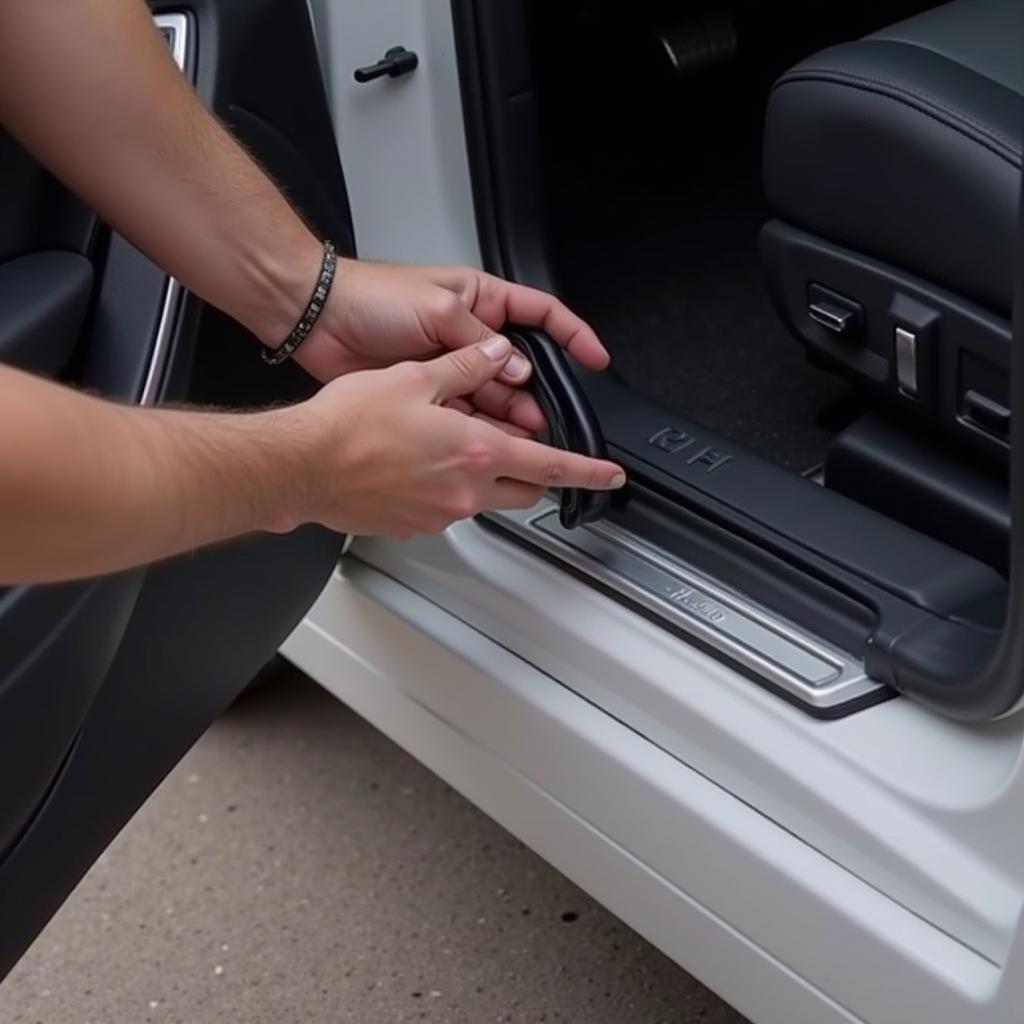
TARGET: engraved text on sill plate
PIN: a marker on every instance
(695, 602)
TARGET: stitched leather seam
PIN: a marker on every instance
(994, 141)
(871, 82)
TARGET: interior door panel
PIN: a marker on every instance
(200, 629)
(104, 684)
(44, 297)
(36, 213)
(58, 644)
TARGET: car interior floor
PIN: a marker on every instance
(654, 204)
(673, 288)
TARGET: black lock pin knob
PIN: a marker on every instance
(396, 62)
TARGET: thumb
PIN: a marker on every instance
(464, 370)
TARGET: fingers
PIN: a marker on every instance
(455, 326)
(466, 370)
(468, 409)
(506, 428)
(499, 302)
(513, 494)
(535, 463)
(511, 405)
(505, 404)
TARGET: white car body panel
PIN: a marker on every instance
(402, 140)
(862, 870)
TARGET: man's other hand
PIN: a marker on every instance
(388, 456)
(379, 314)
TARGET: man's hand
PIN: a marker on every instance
(379, 314)
(393, 460)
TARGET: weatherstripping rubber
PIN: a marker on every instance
(572, 424)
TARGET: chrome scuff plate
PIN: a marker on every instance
(807, 668)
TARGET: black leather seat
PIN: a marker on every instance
(901, 153)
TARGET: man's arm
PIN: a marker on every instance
(88, 87)
(89, 486)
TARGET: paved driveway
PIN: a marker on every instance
(298, 867)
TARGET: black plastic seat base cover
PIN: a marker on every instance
(925, 485)
(572, 423)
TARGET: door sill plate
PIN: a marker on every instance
(796, 664)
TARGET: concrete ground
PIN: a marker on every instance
(297, 866)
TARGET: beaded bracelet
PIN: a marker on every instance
(312, 313)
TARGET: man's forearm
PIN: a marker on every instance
(90, 487)
(88, 88)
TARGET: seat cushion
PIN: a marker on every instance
(906, 145)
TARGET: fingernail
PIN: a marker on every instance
(617, 481)
(496, 348)
(517, 366)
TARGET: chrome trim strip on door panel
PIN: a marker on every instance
(810, 670)
(173, 296)
(176, 27)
